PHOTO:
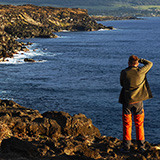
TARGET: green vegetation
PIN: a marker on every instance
(147, 7)
(101, 7)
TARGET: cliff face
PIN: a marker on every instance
(32, 21)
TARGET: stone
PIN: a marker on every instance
(29, 60)
(73, 126)
(45, 127)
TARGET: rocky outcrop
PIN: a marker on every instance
(8, 45)
(30, 21)
(110, 18)
(42, 21)
(30, 122)
(27, 134)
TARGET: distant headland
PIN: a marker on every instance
(30, 21)
(109, 18)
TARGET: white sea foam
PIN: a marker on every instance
(21, 55)
(5, 95)
(107, 29)
(34, 50)
(63, 36)
(103, 30)
(65, 31)
(18, 58)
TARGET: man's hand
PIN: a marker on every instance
(140, 60)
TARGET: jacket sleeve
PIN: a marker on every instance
(147, 65)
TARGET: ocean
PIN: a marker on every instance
(78, 72)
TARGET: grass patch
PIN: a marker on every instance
(146, 7)
(121, 5)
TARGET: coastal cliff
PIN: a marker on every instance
(27, 134)
(30, 21)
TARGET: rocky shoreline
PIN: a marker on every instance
(29, 21)
(111, 18)
(26, 134)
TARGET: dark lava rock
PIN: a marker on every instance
(73, 126)
(29, 135)
(29, 60)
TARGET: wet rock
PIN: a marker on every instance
(9, 46)
(23, 48)
(29, 43)
(29, 60)
(110, 27)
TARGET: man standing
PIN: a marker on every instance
(135, 89)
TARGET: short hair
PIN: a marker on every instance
(133, 60)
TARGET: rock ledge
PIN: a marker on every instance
(26, 134)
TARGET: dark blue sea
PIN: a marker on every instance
(78, 72)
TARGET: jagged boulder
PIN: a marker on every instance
(73, 125)
(44, 126)
(25, 121)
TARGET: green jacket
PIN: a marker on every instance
(134, 83)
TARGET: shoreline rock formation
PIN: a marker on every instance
(9, 46)
(55, 135)
(29, 21)
(110, 18)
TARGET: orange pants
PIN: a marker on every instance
(138, 112)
